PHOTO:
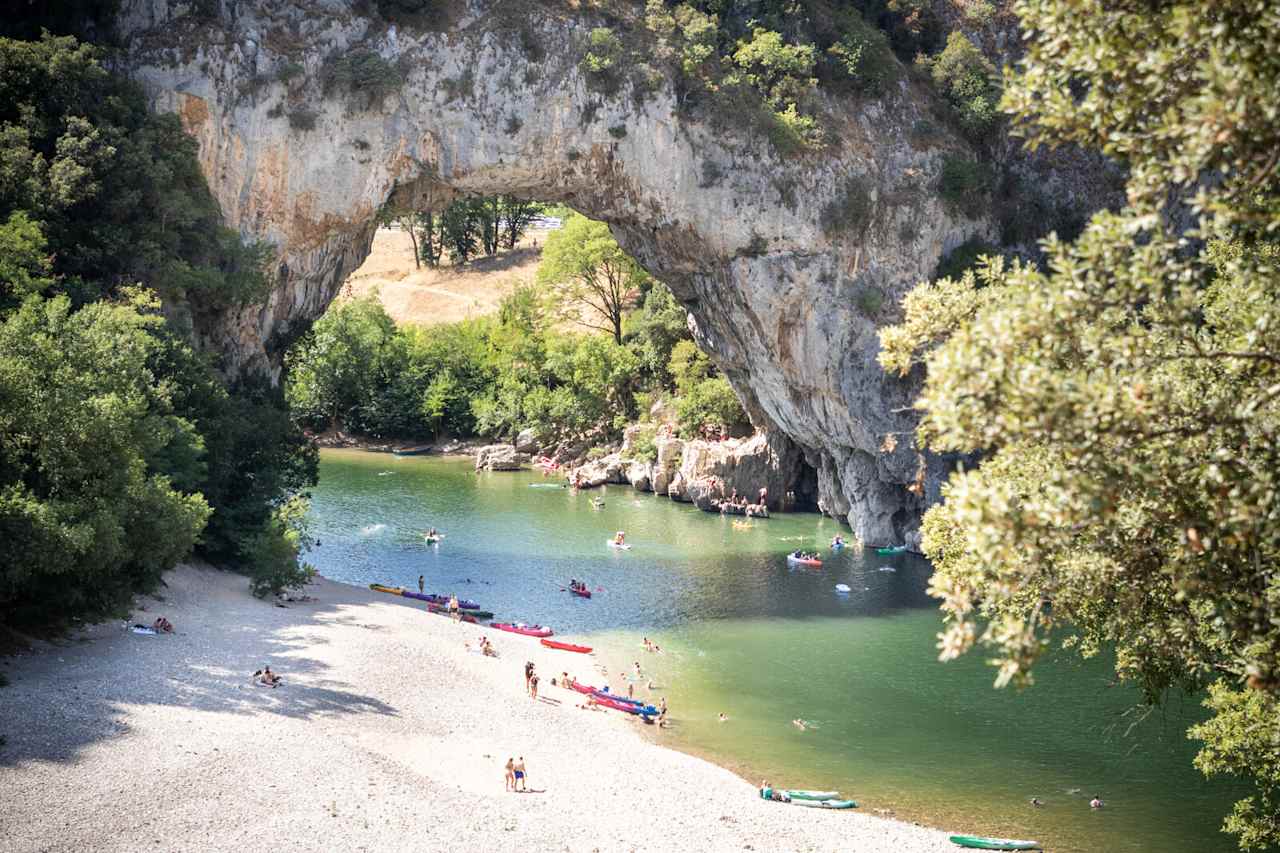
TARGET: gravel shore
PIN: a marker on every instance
(386, 735)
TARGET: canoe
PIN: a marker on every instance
(436, 598)
(583, 593)
(813, 795)
(826, 804)
(390, 590)
(421, 450)
(613, 544)
(977, 842)
(804, 561)
(897, 549)
(432, 540)
(475, 614)
(621, 703)
(527, 630)
(566, 647)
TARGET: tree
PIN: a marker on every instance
(655, 330)
(96, 469)
(1124, 400)
(595, 279)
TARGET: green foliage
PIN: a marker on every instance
(863, 57)
(116, 192)
(653, 331)
(273, 555)
(644, 444)
(963, 186)
(362, 74)
(969, 82)
(1124, 400)
(964, 257)
(24, 260)
(870, 301)
(592, 280)
(709, 403)
(120, 445)
(601, 60)
(689, 366)
(89, 507)
(850, 211)
(1239, 741)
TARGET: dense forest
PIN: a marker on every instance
(576, 356)
(121, 448)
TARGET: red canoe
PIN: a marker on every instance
(527, 630)
(567, 647)
(585, 593)
(804, 561)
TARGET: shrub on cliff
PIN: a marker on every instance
(970, 83)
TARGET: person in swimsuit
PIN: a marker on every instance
(453, 607)
(1096, 802)
(422, 582)
(511, 775)
(521, 778)
(528, 674)
(723, 718)
(533, 686)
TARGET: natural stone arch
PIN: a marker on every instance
(785, 306)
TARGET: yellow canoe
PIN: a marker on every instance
(392, 590)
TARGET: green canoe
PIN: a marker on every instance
(977, 842)
(813, 795)
(826, 804)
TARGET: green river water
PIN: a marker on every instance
(744, 634)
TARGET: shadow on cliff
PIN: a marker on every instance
(64, 698)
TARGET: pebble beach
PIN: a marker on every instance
(387, 734)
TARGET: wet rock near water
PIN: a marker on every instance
(500, 457)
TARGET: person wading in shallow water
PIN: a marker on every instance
(422, 582)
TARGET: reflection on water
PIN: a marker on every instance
(745, 634)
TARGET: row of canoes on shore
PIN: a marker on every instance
(469, 611)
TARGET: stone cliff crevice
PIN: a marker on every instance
(780, 301)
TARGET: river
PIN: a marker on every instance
(744, 634)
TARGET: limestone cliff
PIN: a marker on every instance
(496, 102)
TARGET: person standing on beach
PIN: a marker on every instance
(422, 582)
(521, 777)
(528, 674)
(533, 686)
(453, 607)
(511, 775)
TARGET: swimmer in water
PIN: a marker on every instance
(799, 724)
(1036, 801)
(1096, 802)
(723, 718)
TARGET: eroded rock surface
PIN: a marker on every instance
(788, 308)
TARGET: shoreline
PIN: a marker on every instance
(386, 733)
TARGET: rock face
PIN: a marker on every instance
(705, 473)
(785, 291)
(500, 457)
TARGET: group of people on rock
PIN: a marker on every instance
(740, 503)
